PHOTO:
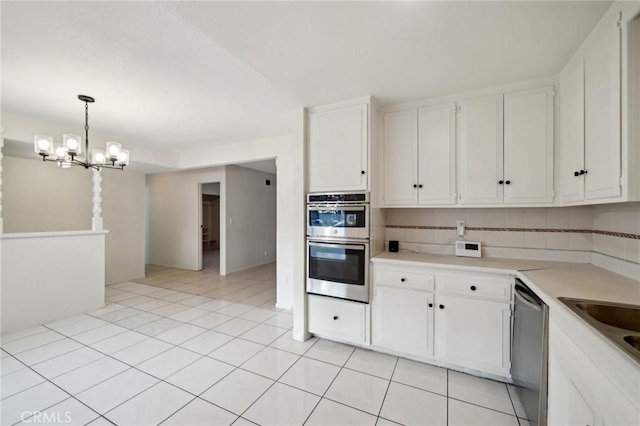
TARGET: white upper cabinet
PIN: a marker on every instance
(480, 153)
(338, 140)
(591, 119)
(419, 156)
(437, 154)
(399, 158)
(602, 116)
(572, 131)
(528, 146)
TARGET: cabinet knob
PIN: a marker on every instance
(431, 305)
(335, 317)
(473, 288)
(500, 182)
(508, 182)
(362, 172)
(441, 306)
(576, 173)
(420, 186)
(415, 185)
(402, 279)
(583, 172)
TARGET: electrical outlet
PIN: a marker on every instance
(460, 227)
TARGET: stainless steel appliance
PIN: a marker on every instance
(530, 352)
(338, 215)
(338, 245)
(338, 268)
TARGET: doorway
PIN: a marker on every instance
(210, 193)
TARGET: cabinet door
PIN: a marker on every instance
(528, 146)
(436, 155)
(403, 320)
(399, 158)
(480, 150)
(473, 333)
(337, 154)
(572, 131)
(566, 405)
(602, 115)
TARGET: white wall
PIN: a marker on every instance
(289, 154)
(211, 188)
(174, 237)
(41, 197)
(47, 277)
(250, 218)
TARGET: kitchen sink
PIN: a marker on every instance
(618, 322)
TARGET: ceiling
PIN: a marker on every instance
(184, 75)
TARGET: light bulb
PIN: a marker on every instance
(43, 144)
(59, 151)
(123, 157)
(72, 144)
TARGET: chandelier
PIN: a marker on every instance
(66, 154)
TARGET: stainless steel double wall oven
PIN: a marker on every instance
(338, 245)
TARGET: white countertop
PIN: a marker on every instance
(482, 264)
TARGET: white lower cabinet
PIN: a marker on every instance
(403, 320)
(590, 383)
(463, 320)
(473, 333)
(567, 406)
(338, 319)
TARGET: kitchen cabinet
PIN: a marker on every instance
(506, 148)
(338, 319)
(582, 388)
(591, 119)
(419, 156)
(338, 141)
(528, 146)
(567, 406)
(403, 306)
(454, 318)
(473, 333)
(480, 153)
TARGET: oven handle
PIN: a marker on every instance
(345, 208)
(339, 246)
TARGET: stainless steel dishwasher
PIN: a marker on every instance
(530, 352)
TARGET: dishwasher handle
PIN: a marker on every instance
(524, 295)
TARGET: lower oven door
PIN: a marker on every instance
(338, 269)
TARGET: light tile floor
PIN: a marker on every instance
(194, 348)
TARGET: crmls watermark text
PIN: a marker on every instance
(55, 417)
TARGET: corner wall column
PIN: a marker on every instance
(1, 157)
(96, 221)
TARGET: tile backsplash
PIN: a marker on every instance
(612, 229)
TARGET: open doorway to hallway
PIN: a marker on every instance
(210, 201)
(237, 218)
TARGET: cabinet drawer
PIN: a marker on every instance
(404, 278)
(489, 287)
(339, 319)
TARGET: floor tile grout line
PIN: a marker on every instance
(447, 396)
(395, 365)
(54, 384)
(330, 384)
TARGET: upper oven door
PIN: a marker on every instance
(338, 221)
